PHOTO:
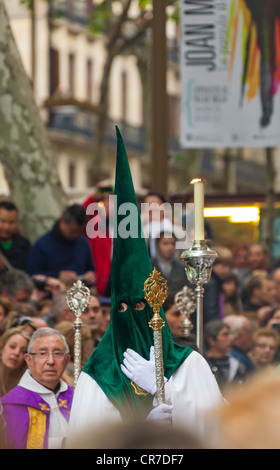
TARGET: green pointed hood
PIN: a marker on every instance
(131, 263)
(131, 266)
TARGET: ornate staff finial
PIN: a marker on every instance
(185, 301)
(155, 291)
(78, 298)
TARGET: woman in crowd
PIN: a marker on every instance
(13, 347)
(5, 306)
(232, 296)
(265, 342)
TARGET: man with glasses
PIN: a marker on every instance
(37, 411)
(265, 342)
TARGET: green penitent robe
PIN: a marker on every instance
(129, 328)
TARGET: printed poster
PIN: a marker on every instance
(230, 73)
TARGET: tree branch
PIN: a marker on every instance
(118, 25)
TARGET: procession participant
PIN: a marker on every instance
(110, 389)
(37, 410)
(174, 317)
(101, 243)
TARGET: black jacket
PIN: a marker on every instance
(18, 254)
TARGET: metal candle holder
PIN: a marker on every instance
(199, 260)
(78, 298)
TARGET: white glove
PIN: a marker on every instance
(139, 370)
(161, 413)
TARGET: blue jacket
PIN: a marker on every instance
(52, 253)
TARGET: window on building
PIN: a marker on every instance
(90, 177)
(71, 74)
(71, 174)
(69, 9)
(74, 10)
(54, 71)
(79, 10)
(89, 78)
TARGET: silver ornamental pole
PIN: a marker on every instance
(199, 260)
(155, 291)
(78, 298)
(185, 301)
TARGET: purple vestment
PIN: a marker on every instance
(27, 417)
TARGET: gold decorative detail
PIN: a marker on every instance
(37, 429)
(62, 403)
(155, 291)
(138, 390)
(44, 407)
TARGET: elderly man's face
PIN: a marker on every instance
(47, 360)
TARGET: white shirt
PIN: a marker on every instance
(58, 424)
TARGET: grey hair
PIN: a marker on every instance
(11, 281)
(59, 303)
(236, 323)
(46, 331)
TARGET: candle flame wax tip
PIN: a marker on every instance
(196, 180)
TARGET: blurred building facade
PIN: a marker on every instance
(65, 61)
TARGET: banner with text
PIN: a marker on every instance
(230, 73)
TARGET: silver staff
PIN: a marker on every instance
(155, 290)
(185, 301)
(199, 260)
(78, 298)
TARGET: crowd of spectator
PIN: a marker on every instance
(34, 279)
(241, 300)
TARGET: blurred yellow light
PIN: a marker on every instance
(235, 214)
(195, 180)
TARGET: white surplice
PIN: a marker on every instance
(192, 391)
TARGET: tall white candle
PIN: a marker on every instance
(198, 209)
